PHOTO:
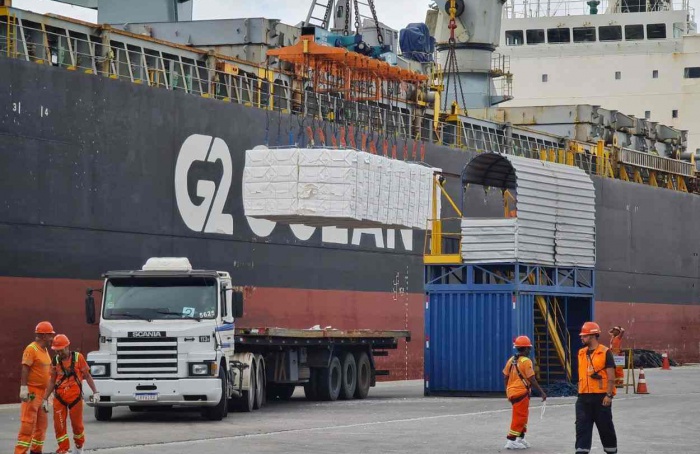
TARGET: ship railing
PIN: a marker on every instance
(656, 163)
(121, 56)
(161, 65)
(516, 9)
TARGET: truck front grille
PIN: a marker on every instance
(144, 356)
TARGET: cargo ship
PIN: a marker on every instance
(92, 130)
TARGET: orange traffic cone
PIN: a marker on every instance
(642, 383)
(666, 364)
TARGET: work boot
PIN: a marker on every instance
(523, 442)
(78, 451)
(514, 444)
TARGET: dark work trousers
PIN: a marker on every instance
(589, 411)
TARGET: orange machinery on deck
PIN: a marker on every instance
(334, 69)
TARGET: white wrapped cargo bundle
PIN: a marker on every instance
(331, 187)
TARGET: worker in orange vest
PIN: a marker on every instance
(67, 374)
(509, 205)
(596, 389)
(616, 334)
(519, 377)
(36, 371)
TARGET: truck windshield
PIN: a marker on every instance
(160, 298)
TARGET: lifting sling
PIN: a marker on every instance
(68, 374)
(514, 364)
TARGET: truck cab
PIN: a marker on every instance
(166, 338)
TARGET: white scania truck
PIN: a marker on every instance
(168, 337)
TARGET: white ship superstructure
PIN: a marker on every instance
(639, 57)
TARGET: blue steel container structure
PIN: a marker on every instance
(474, 312)
(469, 336)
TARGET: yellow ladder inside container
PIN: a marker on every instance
(556, 327)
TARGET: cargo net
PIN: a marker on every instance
(336, 187)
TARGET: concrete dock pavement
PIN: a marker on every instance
(396, 418)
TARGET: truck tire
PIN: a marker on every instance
(364, 375)
(329, 381)
(259, 385)
(220, 410)
(348, 381)
(246, 403)
(280, 391)
(311, 387)
(103, 413)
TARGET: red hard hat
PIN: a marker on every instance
(522, 341)
(590, 328)
(60, 342)
(44, 328)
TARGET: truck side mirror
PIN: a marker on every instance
(89, 307)
(237, 300)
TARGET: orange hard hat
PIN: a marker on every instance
(590, 328)
(60, 342)
(44, 328)
(522, 341)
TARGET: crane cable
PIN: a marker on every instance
(451, 67)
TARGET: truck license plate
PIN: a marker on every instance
(146, 396)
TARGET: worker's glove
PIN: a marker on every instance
(24, 393)
(46, 405)
(95, 398)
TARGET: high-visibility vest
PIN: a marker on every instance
(589, 365)
(616, 345)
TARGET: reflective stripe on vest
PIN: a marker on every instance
(589, 365)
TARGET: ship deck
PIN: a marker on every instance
(397, 418)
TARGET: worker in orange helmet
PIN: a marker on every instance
(519, 377)
(596, 389)
(67, 374)
(36, 372)
(616, 334)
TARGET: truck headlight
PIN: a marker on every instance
(99, 370)
(200, 368)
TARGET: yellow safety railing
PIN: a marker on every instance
(556, 327)
(433, 253)
(552, 327)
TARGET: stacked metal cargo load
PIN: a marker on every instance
(336, 187)
(555, 223)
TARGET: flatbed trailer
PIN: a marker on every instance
(329, 363)
(168, 337)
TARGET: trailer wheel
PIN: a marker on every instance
(220, 410)
(330, 380)
(259, 385)
(280, 391)
(364, 375)
(246, 402)
(103, 413)
(311, 387)
(349, 376)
